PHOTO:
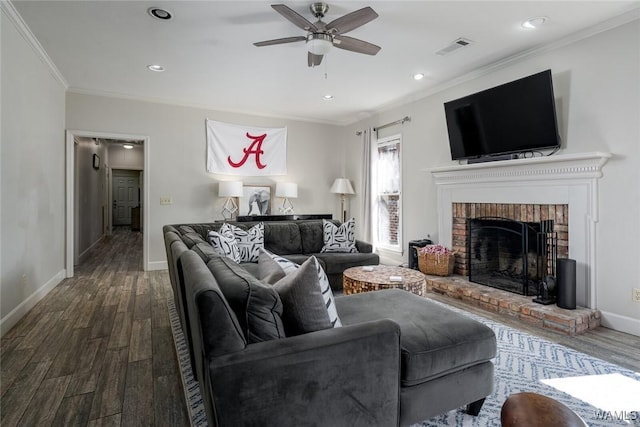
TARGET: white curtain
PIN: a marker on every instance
(368, 200)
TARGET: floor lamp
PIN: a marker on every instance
(343, 187)
(230, 190)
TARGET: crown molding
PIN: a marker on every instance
(172, 102)
(622, 19)
(12, 14)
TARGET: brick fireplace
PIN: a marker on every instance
(461, 212)
(563, 186)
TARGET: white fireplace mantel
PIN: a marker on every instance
(560, 179)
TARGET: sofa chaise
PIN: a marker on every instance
(397, 359)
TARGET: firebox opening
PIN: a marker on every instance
(511, 255)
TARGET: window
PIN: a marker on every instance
(388, 194)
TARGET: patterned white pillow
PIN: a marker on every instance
(224, 243)
(288, 267)
(249, 242)
(339, 239)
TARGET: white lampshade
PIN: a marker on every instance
(230, 189)
(342, 186)
(287, 189)
(319, 44)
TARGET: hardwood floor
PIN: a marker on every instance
(98, 349)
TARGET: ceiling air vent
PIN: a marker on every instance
(453, 46)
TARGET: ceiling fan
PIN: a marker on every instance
(321, 37)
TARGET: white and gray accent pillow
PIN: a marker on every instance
(272, 268)
(249, 242)
(224, 243)
(339, 239)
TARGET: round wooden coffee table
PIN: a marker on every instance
(361, 279)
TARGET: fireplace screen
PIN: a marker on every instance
(511, 255)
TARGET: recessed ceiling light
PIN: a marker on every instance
(155, 67)
(327, 97)
(127, 146)
(159, 13)
(533, 23)
(418, 76)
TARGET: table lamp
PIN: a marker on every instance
(230, 190)
(287, 190)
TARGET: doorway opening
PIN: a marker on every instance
(105, 182)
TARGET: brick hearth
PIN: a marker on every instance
(569, 322)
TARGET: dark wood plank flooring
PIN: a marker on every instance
(98, 349)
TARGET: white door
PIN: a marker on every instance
(125, 197)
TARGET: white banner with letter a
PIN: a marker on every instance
(246, 150)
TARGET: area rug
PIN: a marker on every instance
(607, 394)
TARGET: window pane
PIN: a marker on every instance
(389, 168)
(388, 219)
(388, 192)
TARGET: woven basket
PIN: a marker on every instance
(436, 264)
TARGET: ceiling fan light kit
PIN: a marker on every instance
(321, 37)
(319, 43)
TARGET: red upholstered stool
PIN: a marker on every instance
(536, 410)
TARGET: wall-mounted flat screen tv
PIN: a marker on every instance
(518, 116)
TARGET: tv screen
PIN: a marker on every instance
(518, 116)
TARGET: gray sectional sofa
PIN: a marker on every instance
(397, 359)
(296, 240)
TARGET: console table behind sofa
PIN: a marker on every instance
(248, 218)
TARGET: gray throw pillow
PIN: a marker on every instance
(272, 268)
(269, 269)
(257, 306)
(303, 307)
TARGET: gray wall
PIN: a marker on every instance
(90, 196)
(177, 159)
(32, 176)
(597, 88)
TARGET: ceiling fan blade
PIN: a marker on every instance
(280, 41)
(294, 17)
(352, 20)
(355, 45)
(313, 60)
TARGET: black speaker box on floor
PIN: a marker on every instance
(566, 274)
(413, 255)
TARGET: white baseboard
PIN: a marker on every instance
(157, 265)
(9, 321)
(620, 323)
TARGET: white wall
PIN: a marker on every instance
(32, 156)
(597, 87)
(177, 159)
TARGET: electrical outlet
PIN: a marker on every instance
(165, 200)
(636, 295)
